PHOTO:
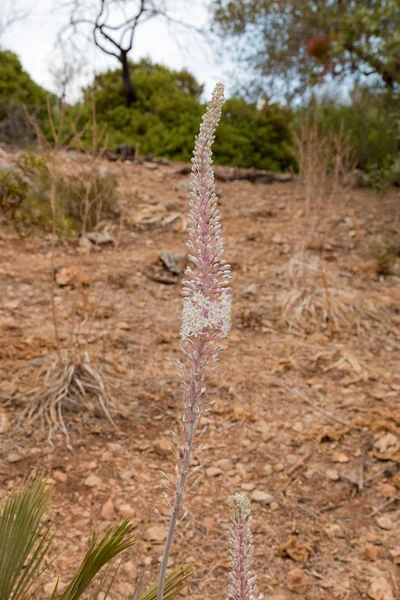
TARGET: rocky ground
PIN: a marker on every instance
(306, 419)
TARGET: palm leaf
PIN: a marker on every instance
(174, 583)
(20, 525)
(116, 540)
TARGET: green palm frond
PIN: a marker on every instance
(21, 552)
(116, 540)
(174, 583)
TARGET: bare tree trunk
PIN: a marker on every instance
(129, 88)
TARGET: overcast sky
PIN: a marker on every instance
(33, 40)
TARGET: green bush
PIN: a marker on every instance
(164, 119)
(252, 137)
(166, 116)
(25, 197)
(18, 89)
(370, 120)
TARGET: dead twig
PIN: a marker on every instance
(327, 414)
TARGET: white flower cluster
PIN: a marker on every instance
(200, 313)
(242, 580)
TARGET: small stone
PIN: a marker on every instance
(274, 506)
(340, 457)
(268, 469)
(262, 497)
(380, 589)
(157, 533)
(248, 487)
(115, 448)
(151, 166)
(84, 242)
(93, 481)
(162, 447)
(297, 581)
(224, 463)
(126, 475)
(71, 276)
(14, 457)
(388, 490)
(298, 427)
(395, 554)
(278, 239)
(213, 472)
(107, 510)
(106, 456)
(126, 511)
(209, 522)
(384, 522)
(309, 473)
(60, 476)
(129, 568)
(370, 536)
(334, 530)
(278, 467)
(387, 444)
(332, 474)
(371, 551)
(251, 292)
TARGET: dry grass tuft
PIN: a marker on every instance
(67, 386)
(313, 304)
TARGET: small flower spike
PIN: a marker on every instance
(242, 581)
(206, 316)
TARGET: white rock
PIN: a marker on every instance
(93, 481)
(262, 497)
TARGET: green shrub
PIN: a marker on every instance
(385, 253)
(18, 89)
(166, 115)
(252, 137)
(25, 196)
(370, 120)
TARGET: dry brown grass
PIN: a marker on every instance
(67, 384)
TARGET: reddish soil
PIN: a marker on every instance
(311, 418)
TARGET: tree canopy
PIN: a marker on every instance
(302, 42)
(166, 115)
(16, 86)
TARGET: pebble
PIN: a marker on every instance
(129, 568)
(126, 475)
(332, 474)
(268, 469)
(248, 487)
(126, 511)
(93, 481)
(298, 427)
(161, 447)
(213, 472)
(262, 497)
(14, 457)
(157, 533)
(251, 291)
(380, 589)
(278, 467)
(107, 510)
(388, 490)
(384, 522)
(224, 463)
(340, 457)
(371, 551)
(297, 581)
(334, 530)
(60, 476)
(274, 506)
